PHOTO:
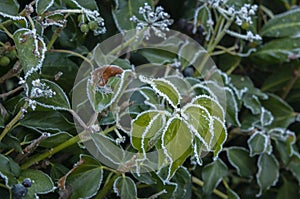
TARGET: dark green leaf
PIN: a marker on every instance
(43, 5)
(258, 143)
(42, 183)
(9, 170)
(9, 7)
(55, 140)
(286, 24)
(212, 174)
(288, 190)
(231, 194)
(242, 162)
(268, 172)
(125, 188)
(294, 166)
(83, 4)
(183, 180)
(86, 178)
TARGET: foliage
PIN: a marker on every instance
(145, 114)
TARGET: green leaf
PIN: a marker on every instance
(125, 188)
(282, 112)
(158, 56)
(9, 170)
(220, 136)
(231, 194)
(59, 101)
(258, 143)
(50, 120)
(176, 143)
(55, 140)
(277, 51)
(288, 190)
(239, 158)
(83, 4)
(212, 105)
(200, 120)
(165, 89)
(126, 9)
(103, 97)
(86, 177)
(144, 127)
(183, 180)
(42, 183)
(43, 5)
(268, 172)
(294, 166)
(212, 174)
(286, 24)
(31, 56)
(9, 7)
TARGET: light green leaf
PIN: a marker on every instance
(212, 174)
(42, 183)
(268, 172)
(258, 143)
(165, 89)
(144, 127)
(240, 159)
(220, 136)
(43, 5)
(9, 7)
(59, 101)
(212, 105)
(176, 143)
(31, 50)
(200, 120)
(125, 188)
(86, 178)
(286, 24)
(126, 9)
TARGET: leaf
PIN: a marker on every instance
(43, 5)
(220, 136)
(55, 140)
(282, 112)
(240, 159)
(59, 101)
(42, 183)
(212, 105)
(258, 143)
(144, 127)
(31, 50)
(103, 97)
(231, 194)
(110, 152)
(9, 7)
(124, 10)
(288, 190)
(277, 51)
(212, 174)
(158, 56)
(268, 172)
(183, 180)
(85, 4)
(176, 143)
(47, 120)
(125, 188)
(165, 89)
(86, 177)
(294, 166)
(9, 170)
(286, 24)
(200, 120)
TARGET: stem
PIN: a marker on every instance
(13, 121)
(76, 116)
(73, 53)
(290, 85)
(107, 187)
(58, 148)
(267, 11)
(11, 92)
(6, 31)
(215, 191)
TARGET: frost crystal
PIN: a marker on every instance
(32, 104)
(156, 20)
(40, 90)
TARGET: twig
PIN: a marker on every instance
(14, 71)
(215, 191)
(3, 95)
